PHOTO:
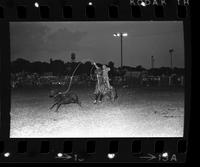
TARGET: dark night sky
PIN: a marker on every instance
(94, 41)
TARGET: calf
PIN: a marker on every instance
(61, 98)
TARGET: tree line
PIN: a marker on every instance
(59, 67)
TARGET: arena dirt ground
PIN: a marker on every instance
(136, 113)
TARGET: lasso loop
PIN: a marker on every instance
(91, 72)
(72, 78)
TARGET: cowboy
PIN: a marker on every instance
(98, 73)
(105, 75)
(103, 86)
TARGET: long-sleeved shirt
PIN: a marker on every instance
(105, 72)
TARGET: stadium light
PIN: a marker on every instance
(121, 35)
(124, 34)
(90, 3)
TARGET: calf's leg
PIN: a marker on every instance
(58, 106)
(53, 106)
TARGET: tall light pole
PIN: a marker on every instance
(171, 51)
(121, 35)
(152, 62)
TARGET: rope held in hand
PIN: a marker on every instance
(72, 78)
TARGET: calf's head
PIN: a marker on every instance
(53, 93)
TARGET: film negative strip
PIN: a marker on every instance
(95, 80)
